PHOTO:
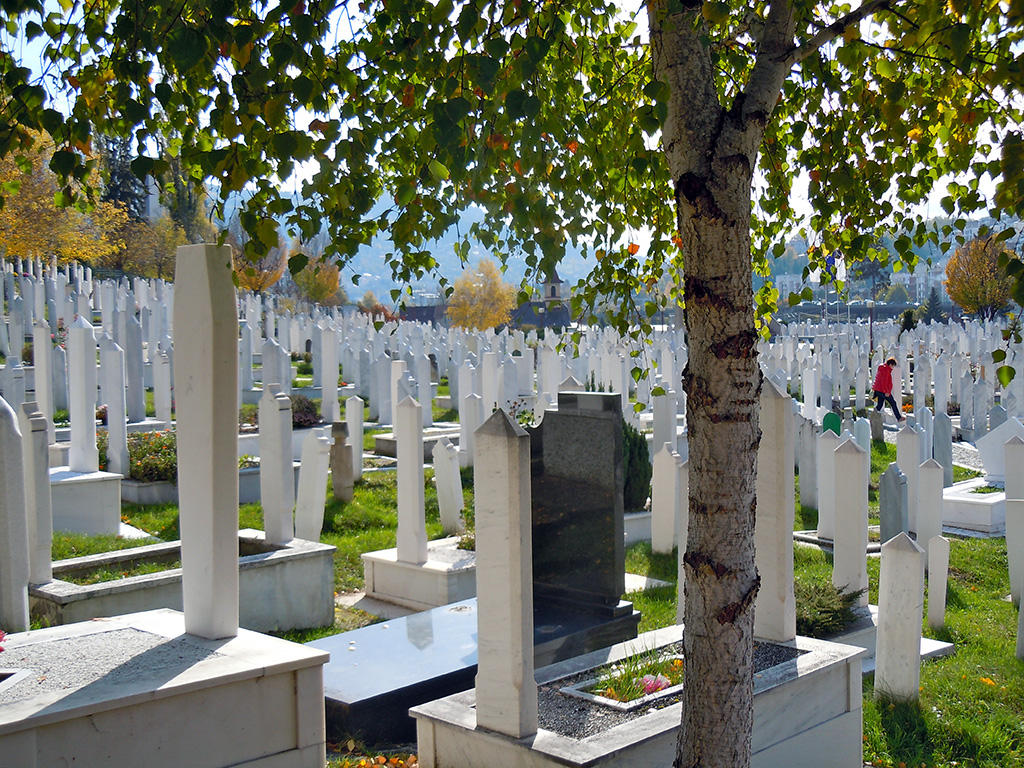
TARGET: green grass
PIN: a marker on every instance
(964, 473)
(971, 711)
(113, 573)
(987, 489)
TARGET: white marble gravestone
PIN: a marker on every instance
(14, 538)
(206, 383)
(506, 692)
(311, 496)
(449, 486)
(775, 609)
(849, 569)
(277, 476)
(900, 604)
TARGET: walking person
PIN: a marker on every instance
(882, 388)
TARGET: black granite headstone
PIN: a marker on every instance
(377, 673)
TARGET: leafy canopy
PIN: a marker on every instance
(394, 114)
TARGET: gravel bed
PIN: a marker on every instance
(117, 656)
(578, 718)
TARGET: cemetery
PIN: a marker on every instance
(499, 551)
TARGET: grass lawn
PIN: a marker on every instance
(971, 711)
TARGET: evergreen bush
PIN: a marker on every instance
(636, 464)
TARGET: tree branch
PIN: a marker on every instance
(832, 31)
(769, 72)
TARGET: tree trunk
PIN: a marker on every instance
(712, 151)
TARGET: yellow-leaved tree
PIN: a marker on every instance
(974, 280)
(32, 225)
(480, 298)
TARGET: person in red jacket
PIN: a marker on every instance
(882, 388)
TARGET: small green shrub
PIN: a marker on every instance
(304, 368)
(249, 414)
(304, 412)
(636, 465)
(822, 609)
(153, 456)
(26, 354)
(61, 418)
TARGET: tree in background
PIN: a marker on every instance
(320, 283)
(33, 225)
(120, 185)
(319, 280)
(256, 272)
(875, 272)
(974, 280)
(370, 305)
(897, 294)
(167, 235)
(480, 298)
(931, 310)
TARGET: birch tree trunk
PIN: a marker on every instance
(712, 151)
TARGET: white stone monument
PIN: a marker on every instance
(900, 604)
(506, 692)
(206, 383)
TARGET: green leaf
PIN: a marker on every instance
(405, 193)
(960, 40)
(1005, 374)
(63, 162)
(297, 263)
(998, 355)
(438, 170)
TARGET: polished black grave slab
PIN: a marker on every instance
(377, 673)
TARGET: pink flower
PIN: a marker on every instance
(3, 635)
(654, 683)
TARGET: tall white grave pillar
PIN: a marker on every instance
(664, 407)
(83, 456)
(471, 416)
(1014, 458)
(449, 486)
(849, 565)
(664, 499)
(938, 572)
(908, 459)
(354, 420)
(112, 370)
(42, 352)
(312, 494)
(329, 407)
(506, 692)
(162, 387)
(827, 442)
(14, 542)
(929, 503)
(277, 476)
(206, 383)
(38, 502)
(412, 530)
(775, 610)
(900, 603)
